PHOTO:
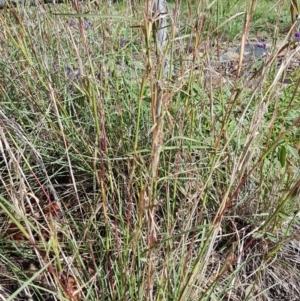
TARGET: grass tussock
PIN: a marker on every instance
(134, 172)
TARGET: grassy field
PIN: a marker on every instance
(129, 173)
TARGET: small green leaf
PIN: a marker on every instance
(143, 259)
(258, 235)
(271, 237)
(293, 151)
(282, 155)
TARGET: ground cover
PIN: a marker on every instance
(103, 198)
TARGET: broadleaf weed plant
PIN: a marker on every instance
(135, 171)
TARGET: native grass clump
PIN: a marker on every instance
(141, 161)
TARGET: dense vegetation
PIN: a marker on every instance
(113, 198)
